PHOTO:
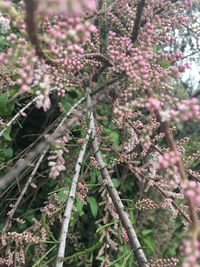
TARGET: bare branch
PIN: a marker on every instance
(137, 21)
(98, 56)
(126, 222)
(70, 201)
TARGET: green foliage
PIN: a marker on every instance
(3, 42)
(6, 107)
(93, 205)
(165, 64)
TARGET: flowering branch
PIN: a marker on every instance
(31, 27)
(159, 150)
(143, 177)
(102, 58)
(188, 186)
(172, 145)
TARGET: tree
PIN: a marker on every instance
(90, 134)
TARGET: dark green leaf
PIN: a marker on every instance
(93, 206)
(6, 134)
(116, 182)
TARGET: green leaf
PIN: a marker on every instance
(7, 152)
(93, 175)
(62, 195)
(149, 244)
(114, 136)
(29, 217)
(93, 206)
(155, 48)
(101, 227)
(165, 64)
(3, 43)
(116, 182)
(146, 232)
(6, 134)
(127, 255)
(132, 216)
(126, 259)
(79, 207)
(3, 101)
(5, 107)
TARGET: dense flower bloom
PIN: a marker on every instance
(168, 159)
(70, 7)
(185, 110)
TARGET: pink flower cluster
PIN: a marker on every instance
(49, 209)
(147, 34)
(4, 24)
(43, 81)
(83, 192)
(143, 62)
(56, 160)
(26, 60)
(146, 204)
(23, 238)
(153, 104)
(168, 159)
(129, 58)
(125, 235)
(186, 109)
(169, 262)
(191, 251)
(68, 7)
(193, 193)
(94, 162)
(20, 256)
(132, 141)
(20, 241)
(65, 40)
(9, 260)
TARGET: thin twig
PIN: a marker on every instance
(158, 188)
(17, 115)
(11, 214)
